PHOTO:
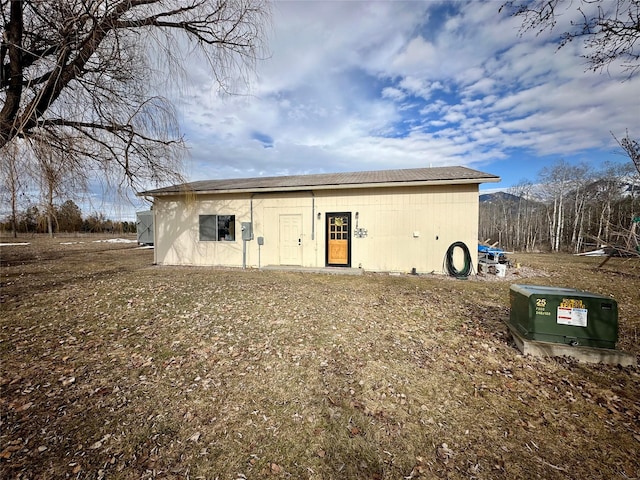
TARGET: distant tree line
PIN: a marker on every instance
(571, 208)
(65, 218)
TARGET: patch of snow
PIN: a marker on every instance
(593, 253)
(13, 244)
(70, 243)
(116, 240)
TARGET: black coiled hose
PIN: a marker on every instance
(453, 271)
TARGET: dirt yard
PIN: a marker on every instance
(114, 368)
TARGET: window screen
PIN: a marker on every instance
(217, 228)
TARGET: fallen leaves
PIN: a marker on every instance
(444, 453)
(24, 407)
(181, 372)
(100, 443)
(66, 381)
(139, 361)
(11, 448)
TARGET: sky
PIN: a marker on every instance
(365, 85)
(352, 86)
(355, 86)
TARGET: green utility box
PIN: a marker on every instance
(564, 315)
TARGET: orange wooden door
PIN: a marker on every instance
(338, 239)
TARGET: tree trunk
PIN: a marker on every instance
(49, 213)
(559, 227)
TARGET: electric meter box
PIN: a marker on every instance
(247, 230)
(564, 315)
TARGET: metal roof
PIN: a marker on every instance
(324, 181)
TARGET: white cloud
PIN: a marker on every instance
(393, 93)
(417, 56)
(363, 85)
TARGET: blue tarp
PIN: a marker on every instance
(486, 253)
(490, 250)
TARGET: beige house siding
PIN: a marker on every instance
(406, 227)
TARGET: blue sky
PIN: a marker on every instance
(350, 86)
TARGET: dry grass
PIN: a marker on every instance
(114, 368)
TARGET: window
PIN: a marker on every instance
(217, 228)
(339, 227)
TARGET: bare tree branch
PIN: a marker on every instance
(631, 148)
(78, 71)
(610, 29)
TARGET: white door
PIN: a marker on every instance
(290, 239)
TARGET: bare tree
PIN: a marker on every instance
(582, 177)
(14, 179)
(614, 207)
(631, 148)
(526, 223)
(610, 29)
(59, 175)
(81, 70)
(560, 181)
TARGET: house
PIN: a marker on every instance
(389, 221)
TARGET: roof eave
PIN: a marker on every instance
(302, 188)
